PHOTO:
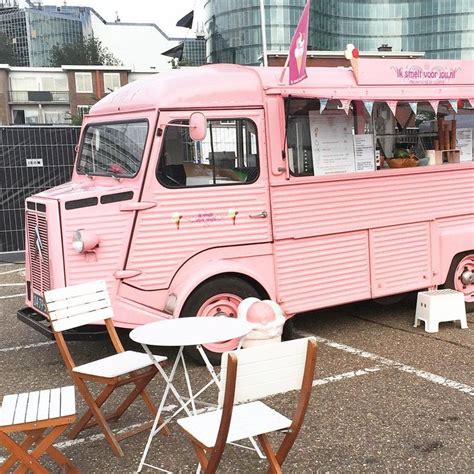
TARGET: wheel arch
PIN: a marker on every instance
(187, 283)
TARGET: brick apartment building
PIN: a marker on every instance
(54, 96)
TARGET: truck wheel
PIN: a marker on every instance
(461, 277)
(217, 297)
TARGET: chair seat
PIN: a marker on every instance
(118, 364)
(31, 407)
(249, 419)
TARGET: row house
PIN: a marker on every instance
(57, 96)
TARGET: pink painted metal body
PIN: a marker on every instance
(326, 240)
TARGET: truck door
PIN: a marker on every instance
(207, 195)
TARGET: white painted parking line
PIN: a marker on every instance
(169, 408)
(12, 271)
(438, 379)
(29, 346)
(346, 375)
(11, 296)
(11, 284)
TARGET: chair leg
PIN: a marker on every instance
(43, 445)
(275, 465)
(139, 387)
(21, 455)
(202, 457)
(29, 440)
(101, 421)
(81, 424)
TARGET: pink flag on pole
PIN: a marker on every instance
(299, 48)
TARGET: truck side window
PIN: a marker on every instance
(228, 155)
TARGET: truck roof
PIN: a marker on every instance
(230, 85)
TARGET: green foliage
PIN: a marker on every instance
(88, 52)
(7, 51)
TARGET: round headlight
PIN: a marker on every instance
(83, 241)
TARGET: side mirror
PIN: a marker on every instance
(197, 126)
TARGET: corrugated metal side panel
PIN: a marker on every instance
(322, 271)
(160, 246)
(112, 226)
(400, 258)
(329, 207)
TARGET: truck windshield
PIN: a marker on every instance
(113, 149)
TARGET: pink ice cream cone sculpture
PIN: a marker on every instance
(267, 320)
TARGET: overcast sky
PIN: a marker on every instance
(165, 13)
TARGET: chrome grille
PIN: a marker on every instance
(37, 235)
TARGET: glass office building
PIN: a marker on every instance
(234, 29)
(441, 28)
(444, 29)
(34, 31)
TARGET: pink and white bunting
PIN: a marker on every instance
(299, 48)
(454, 105)
(346, 103)
(393, 106)
(434, 104)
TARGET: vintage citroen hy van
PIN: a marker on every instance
(196, 188)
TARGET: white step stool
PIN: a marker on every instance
(437, 306)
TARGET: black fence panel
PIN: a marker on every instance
(32, 159)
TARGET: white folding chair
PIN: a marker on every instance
(88, 303)
(251, 374)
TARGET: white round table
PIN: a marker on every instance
(190, 331)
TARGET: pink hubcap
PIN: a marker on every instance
(465, 266)
(223, 304)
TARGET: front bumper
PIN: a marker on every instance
(41, 324)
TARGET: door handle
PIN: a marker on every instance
(261, 215)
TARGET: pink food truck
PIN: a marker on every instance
(197, 188)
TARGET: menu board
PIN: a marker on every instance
(331, 142)
(364, 152)
(464, 143)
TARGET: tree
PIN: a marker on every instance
(88, 52)
(7, 51)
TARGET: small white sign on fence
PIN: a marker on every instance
(30, 163)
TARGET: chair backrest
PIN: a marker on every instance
(78, 305)
(269, 369)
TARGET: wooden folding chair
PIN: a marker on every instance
(88, 303)
(34, 414)
(251, 374)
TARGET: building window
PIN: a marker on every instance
(83, 110)
(83, 82)
(111, 81)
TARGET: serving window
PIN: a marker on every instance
(326, 137)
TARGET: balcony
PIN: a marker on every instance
(38, 97)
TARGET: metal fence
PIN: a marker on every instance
(32, 159)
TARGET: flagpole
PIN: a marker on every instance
(264, 33)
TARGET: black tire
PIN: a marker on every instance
(288, 331)
(450, 279)
(217, 286)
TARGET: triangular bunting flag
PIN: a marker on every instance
(322, 105)
(434, 104)
(346, 103)
(393, 106)
(369, 105)
(414, 107)
(454, 105)
(471, 101)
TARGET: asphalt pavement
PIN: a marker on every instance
(387, 397)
